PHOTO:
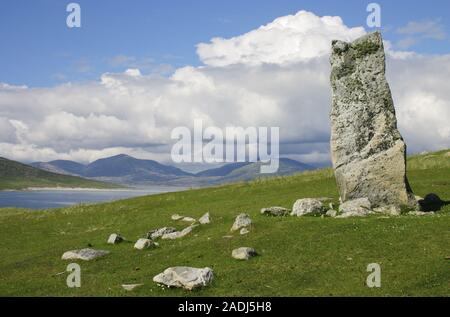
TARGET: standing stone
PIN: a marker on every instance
(368, 152)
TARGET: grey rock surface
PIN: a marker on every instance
(275, 211)
(243, 253)
(84, 254)
(142, 244)
(308, 206)
(131, 287)
(368, 152)
(355, 207)
(115, 238)
(205, 219)
(178, 234)
(241, 221)
(185, 277)
(158, 233)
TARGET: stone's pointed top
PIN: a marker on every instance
(372, 37)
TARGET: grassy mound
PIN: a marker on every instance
(307, 256)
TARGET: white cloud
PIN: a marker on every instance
(288, 39)
(417, 31)
(277, 75)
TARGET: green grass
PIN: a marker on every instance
(307, 256)
(17, 176)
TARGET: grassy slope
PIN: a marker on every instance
(14, 175)
(299, 256)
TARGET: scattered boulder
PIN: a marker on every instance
(188, 278)
(331, 213)
(115, 239)
(368, 151)
(158, 233)
(241, 221)
(389, 210)
(176, 217)
(84, 254)
(205, 219)
(142, 244)
(244, 231)
(243, 253)
(421, 213)
(308, 206)
(275, 211)
(131, 287)
(354, 208)
(178, 234)
(188, 219)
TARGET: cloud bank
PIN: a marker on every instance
(276, 75)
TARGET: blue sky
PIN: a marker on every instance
(39, 50)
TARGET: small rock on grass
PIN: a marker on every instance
(275, 211)
(158, 233)
(241, 221)
(142, 244)
(188, 278)
(131, 287)
(205, 219)
(115, 238)
(244, 231)
(176, 217)
(308, 206)
(178, 234)
(84, 254)
(243, 253)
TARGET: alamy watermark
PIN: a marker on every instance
(233, 144)
(374, 278)
(74, 278)
(374, 18)
(73, 20)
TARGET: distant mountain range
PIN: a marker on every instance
(127, 170)
(15, 175)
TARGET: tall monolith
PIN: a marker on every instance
(368, 152)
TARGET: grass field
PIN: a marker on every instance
(309, 256)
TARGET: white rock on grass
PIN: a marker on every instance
(421, 213)
(178, 234)
(142, 244)
(241, 221)
(188, 278)
(331, 213)
(355, 208)
(158, 233)
(176, 217)
(308, 206)
(389, 210)
(131, 287)
(205, 219)
(188, 219)
(84, 254)
(244, 231)
(243, 253)
(275, 211)
(115, 239)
